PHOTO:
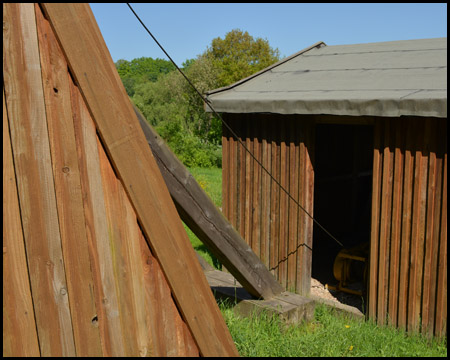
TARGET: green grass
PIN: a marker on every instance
(210, 179)
(330, 334)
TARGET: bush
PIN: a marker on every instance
(189, 149)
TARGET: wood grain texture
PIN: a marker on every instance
(413, 253)
(100, 85)
(276, 229)
(66, 174)
(19, 327)
(97, 228)
(30, 142)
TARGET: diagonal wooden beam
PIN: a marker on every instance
(207, 222)
(99, 83)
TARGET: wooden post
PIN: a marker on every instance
(201, 215)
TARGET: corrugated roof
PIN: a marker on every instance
(393, 78)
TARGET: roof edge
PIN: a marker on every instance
(318, 44)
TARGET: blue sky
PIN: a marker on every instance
(185, 30)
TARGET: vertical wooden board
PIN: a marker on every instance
(78, 33)
(301, 266)
(375, 219)
(267, 192)
(225, 170)
(385, 227)
(394, 266)
(440, 149)
(434, 254)
(440, 326)
(429, 240)
(242, 177)
(248, 216)
(118, 238)
(131, 249)
(405, 242)
(309, 206)
(275, 200)
(68, 191)
(256, 180)
(19, 327)
(282, 241)
(263, 220)
(234, 153)
(97, 228)
(293, 207)
(170, 335)
(418, 230)
(306, 199)
(29, 137)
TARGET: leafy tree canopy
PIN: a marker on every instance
(239, 55)
(141, 70)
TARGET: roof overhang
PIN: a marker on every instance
(397, 78)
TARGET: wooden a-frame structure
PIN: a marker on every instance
(95, 258)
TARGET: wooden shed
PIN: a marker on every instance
(357, 134)
(96, 261)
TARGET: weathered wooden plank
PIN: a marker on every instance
(242, 166)
(293, 208)
(440, 326)
(206, 221)
(309, 207)
(131, 252)
(19, 327)
(69, 201)
(405, 246)
(97, 228)
(300, 261)
(265, 193)
(248, 182)
(282, 237)
(440, 149)
(385, 226)
(375, 220)
(233, 178)
(29, 137)
(275, 199)
(170, 336)
(226, 166)
(418, 230)
(394, 265)
(256, 181)
(94, 71)
(118, 239)
(429, 244)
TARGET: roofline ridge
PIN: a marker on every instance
(318, 44)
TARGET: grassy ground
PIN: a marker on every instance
(330, 334)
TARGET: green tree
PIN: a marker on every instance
(141, 70)
(239, 55)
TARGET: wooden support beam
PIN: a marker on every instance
(207, 222)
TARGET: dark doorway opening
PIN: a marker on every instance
(342, 196)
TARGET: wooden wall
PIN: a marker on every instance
(270, 222)
(80, 275)
(408, 255)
